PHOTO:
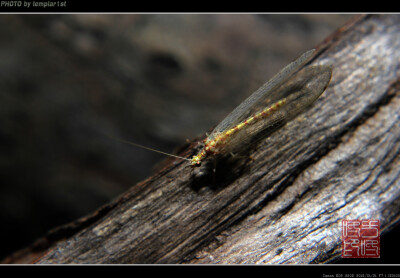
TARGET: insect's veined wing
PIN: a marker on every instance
(242, 111)
(302, 89)
(299, 93)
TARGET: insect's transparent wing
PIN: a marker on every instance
(300, 91)
(303, 89)
(241, 112)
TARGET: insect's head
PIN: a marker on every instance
(196, 161)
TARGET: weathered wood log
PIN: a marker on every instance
(285, 205)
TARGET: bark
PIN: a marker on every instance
(285, 204)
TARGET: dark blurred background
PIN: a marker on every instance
(69, 80)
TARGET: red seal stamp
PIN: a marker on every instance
(361, 238)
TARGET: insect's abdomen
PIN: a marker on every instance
(256, 127)
(235, 138)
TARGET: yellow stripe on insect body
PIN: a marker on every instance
(213, 147)
(241, 125)
(230, 132)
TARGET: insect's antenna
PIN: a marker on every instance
(147, 148)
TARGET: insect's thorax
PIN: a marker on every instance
(216, 143)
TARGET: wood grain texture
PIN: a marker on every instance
(283, 206)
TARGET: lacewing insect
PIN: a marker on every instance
(276, 102)
(281, 99)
